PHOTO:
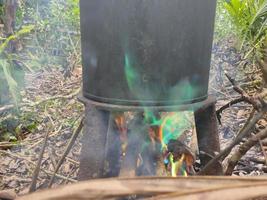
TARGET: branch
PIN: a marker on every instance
(247, 129)
(256, 101)
(243, 149)
(67, 150)
(38, 166)
(32, 163)
(257, 104)
(233, 102)
(6, 145)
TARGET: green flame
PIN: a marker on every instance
(173, 126)
(131, 74)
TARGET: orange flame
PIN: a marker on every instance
(121, 124)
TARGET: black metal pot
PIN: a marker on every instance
(146, 52)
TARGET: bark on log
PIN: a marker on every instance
(158, 188)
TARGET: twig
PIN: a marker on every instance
(234, 83)
(52, 135)
(6, 145)
(252, 100)
(72, 161)
(247, 129)
(242, 150)
(38, 166)
(10, 107)
(72, 171)
(52, 158)
(233, 102)
(256, 101)
(66, 152)
(32, 163)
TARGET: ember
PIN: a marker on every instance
(181, 159)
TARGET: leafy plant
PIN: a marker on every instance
(6, 62)
(24, 30)
(250, 20)
(53, 43)
(57, 34)
(223, 28)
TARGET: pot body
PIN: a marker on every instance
(146, 52)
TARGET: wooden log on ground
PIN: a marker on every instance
(158, 188)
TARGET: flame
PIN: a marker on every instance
(177, 166)
(122, 126)
(171, 127)
(164, 122)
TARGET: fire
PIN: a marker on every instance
(165, 130)
(178, 159)
(161, 130)
(177, 167)
(122, 126)
(172, 125)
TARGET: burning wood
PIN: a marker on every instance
(144, 152)
(135, 139)
(179, 159)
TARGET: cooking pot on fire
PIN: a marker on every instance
(146, 52)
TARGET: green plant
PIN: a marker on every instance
(57, 34)
(7, 67)
(53, 42)
(223, 28)
(250, 20)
